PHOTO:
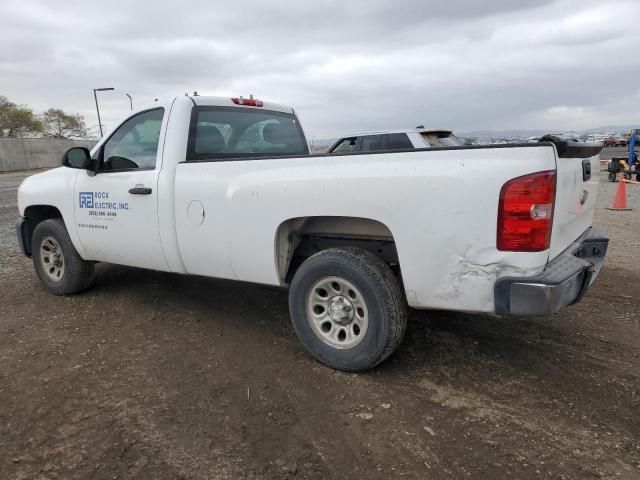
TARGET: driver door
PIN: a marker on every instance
(116, 209)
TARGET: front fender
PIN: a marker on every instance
(46, 191)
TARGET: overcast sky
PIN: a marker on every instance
(344, 65)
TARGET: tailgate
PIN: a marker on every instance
(578, 168)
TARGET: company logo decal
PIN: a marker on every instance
(86, 199)
(100, 201)
(99, 207)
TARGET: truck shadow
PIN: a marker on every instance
(436, 339)
(451, 345)
(460, 357)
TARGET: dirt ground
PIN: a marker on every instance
(154, 375)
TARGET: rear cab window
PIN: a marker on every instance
(243, 133)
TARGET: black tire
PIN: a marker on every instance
(77, 273)
(638, 177)
(626, 176)
(381, 291)
(612, 177)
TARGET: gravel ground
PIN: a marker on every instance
(153, 375)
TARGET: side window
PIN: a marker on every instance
(372, 143)
(398, 141)
(347, 145)
(134, 144)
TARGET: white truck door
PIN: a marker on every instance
(116, 210)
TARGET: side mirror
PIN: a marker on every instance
(77, 157)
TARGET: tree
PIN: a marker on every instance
(17, 120)
(58, 124)
(5, 106)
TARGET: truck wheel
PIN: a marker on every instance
(57, 262)
(347, 308)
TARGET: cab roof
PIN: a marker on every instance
(202, 100)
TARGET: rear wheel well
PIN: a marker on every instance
(299, 238)
(36, 214)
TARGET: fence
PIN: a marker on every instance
(28, 153)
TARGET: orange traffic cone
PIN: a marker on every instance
(620, 200)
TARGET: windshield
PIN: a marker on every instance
(231, 132)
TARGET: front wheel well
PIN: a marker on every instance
(299, 238)
(36, 214)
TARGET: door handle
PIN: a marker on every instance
(140, 191)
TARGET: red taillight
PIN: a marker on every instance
(525, 213)
(249, 102)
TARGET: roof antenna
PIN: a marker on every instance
(420, 126)
(195, 94)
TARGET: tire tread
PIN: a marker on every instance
(384, 280)
(78, 272)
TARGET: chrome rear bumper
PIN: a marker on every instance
(564, 280)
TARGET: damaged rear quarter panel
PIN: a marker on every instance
(439, 205)
(451, 261)
(470, 278)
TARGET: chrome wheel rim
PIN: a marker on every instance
(52, 259)
(337, 312)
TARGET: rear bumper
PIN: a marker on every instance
(564, 280)
(22, 232)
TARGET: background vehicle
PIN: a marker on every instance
(619, 165)
(615, 142)
(395, 140)
(629, 165)
(226, 188)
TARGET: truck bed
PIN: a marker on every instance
(439, 204)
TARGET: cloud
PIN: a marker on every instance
(344, 66)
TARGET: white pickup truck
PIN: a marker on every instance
(225, 187)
